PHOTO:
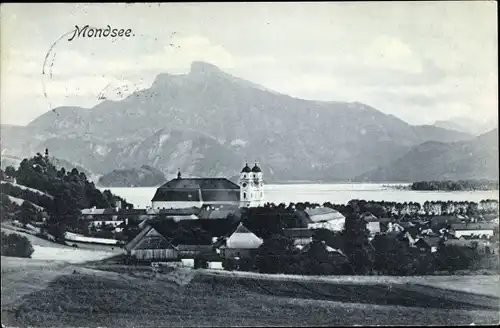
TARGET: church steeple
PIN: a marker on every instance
(251, 186)
(246, 169)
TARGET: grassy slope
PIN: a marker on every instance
(113, 299)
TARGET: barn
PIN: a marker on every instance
(150, 245)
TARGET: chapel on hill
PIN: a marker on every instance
(198, 192)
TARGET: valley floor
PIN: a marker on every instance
(61, 294)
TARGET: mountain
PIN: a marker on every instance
(468, 125)
(463, 160)
(145, 176)
(207, 123)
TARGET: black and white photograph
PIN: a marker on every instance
(249, 164)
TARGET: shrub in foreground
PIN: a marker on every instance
(16, 245)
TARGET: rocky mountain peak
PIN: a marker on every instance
(203, 68)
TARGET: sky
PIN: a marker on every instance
(419, 61)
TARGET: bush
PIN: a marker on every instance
(16, 245)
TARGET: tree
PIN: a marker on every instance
(16, 245)
(356, 244)
(10, 171)
(273, 253)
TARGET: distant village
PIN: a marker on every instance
(215, 223)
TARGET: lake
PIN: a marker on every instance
(339, 193)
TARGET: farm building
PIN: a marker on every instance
(151, 245)
(481, 230)
(241, 243)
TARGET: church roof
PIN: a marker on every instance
(256, 168)
(188, 189)
(200, 183)
(246, 169)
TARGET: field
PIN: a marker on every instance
(58, 294)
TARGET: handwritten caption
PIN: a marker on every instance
(108, 32)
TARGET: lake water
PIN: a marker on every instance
(335, 193)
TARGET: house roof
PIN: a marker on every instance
(467, 242)
(430, 241)
(443, 219)
(138, 238)
(113, 211)
(180, 211)
(321, 214)
(154, 242)
(243, 238)
(220, 213)
(194, 248)
(298, 233)
(369, 217)
(395, 234)
(472, 226)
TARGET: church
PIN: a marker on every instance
(198, 192)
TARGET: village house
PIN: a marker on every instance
(372, 223)
(242, 243)
(322, 218)
(151, 245)
(481, 230)
(427, 244)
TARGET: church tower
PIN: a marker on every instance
(251, 187)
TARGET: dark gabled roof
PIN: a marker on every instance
(200, 183)
(188, 189)
(298, 233)
(163, 194)
(220, 195)
(154, 242)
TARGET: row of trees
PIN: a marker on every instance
(461, 185)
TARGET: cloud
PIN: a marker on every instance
(390, 52)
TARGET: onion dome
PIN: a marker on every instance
(246, 169)
(256, 168)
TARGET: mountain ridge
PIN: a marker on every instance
(218, 122)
